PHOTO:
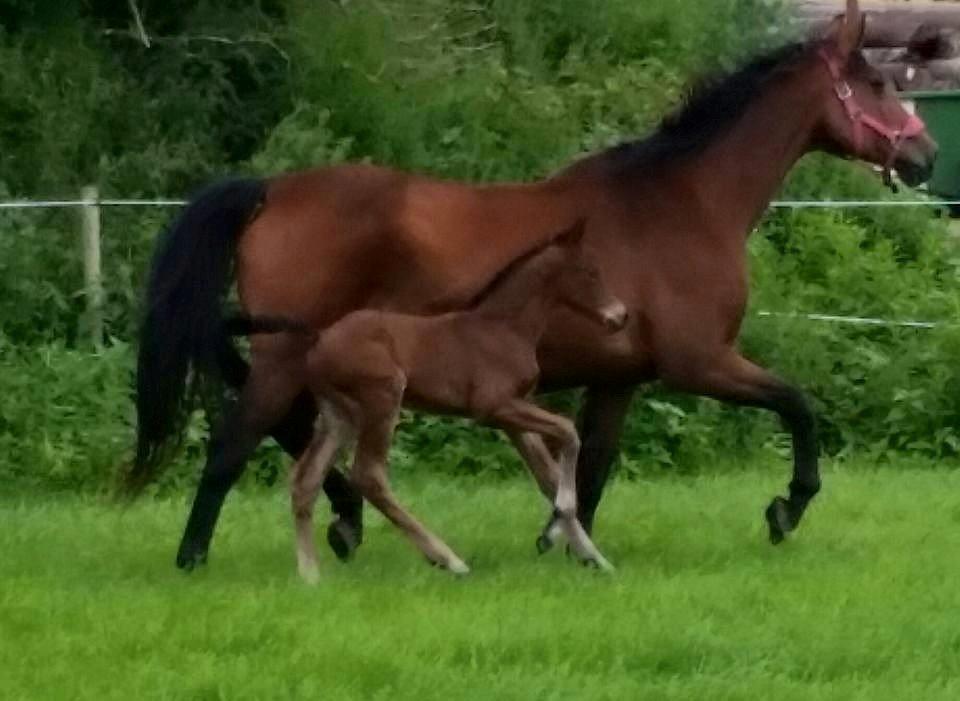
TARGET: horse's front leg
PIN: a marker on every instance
(601, 423)
(731, 377)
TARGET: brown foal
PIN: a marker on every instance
(479, 363)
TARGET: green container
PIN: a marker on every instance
(940, 109)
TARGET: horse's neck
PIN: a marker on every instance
(523, 298)
(736, 177)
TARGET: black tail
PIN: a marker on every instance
(183, 332)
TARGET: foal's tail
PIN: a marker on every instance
(183, 339)
(249, 325)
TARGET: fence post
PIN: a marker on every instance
(92, 276)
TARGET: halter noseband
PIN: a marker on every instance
(914, 126)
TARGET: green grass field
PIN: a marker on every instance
(864, 603)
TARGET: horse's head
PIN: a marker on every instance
(864, 117)
(580, 284)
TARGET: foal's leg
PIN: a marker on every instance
(735, 379)
(345, 532)
(523, 416)
(547, 475)
(369, 476)
(306, 477)
(293, 432)
(601, 422)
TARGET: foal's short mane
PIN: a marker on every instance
(710, 109)
(498, 280)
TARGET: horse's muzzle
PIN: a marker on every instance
(914, 162)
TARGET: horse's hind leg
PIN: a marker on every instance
(735, 379)
(306, 478)
(525, 417)
(265, 396)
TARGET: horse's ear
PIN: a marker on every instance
(572, 235)
(847, 31)
(852, 31)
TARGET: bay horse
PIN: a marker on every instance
(667, 218)
(480, 363)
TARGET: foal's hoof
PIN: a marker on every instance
(454, 566)
(779, 520)
(544, 544)
(600, 563)
(342, 539)
(310, 575)
(458, 567)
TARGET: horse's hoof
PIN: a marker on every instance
(544, 544)
(778, 520)
(342, 539)
(189, 559)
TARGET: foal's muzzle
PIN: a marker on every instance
(614, 317)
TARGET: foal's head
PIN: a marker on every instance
(864, 118)
(558, 272)
(575, 280)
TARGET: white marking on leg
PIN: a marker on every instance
(308, 569)
(583, 546)
(457, 566)
(554, 529)
(566, 501)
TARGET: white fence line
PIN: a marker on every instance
(52, 204)
(855, 320)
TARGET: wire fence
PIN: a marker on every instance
(95, 292)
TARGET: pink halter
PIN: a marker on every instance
(914, 126)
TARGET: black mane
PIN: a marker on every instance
(711, 108)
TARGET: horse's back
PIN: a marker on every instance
(334, 239)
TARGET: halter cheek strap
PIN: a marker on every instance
(913, 126)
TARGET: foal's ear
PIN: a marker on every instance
(572, 235)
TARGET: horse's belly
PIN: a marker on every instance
(581, 353)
